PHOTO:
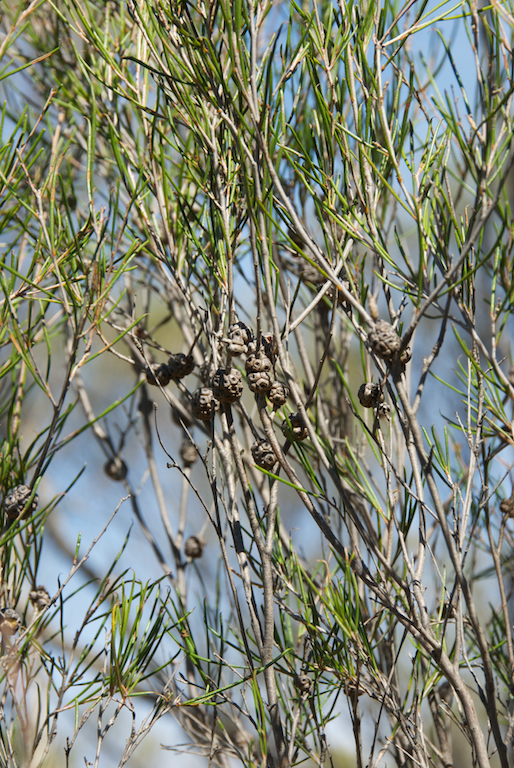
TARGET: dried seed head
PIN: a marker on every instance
(278, 393)
(115, 468)
(40, 598)
(158, 373)
(268, 345)
(193, 547)
(15, 501)
(258, 362)
(302, 683)
(180, 365)
(10, 622)
(370, 395)
(203, 403)
(263, 454)
(239, 336)
(295, 429)
(227, 385)
(507, 506)
(260, 382)
(259, 369)
(384, 340)
(188, 453)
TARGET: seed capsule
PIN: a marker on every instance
(115, 468)
(278, 394)
(158, 373)
(302, 683)
(203, 403)
(10, 622)
(370, 395)
(268, 345)
(188, 453)
(194, 546)
(507, 506)
(384, 340)
(180, 365)
(259, 370)
(227, 385)
(15, 501)
(263, 454)
(239, 336)
(40, 597)
(295, 429)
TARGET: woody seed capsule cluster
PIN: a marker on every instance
(158, 373)
(40, 598)
(278, 393)
(295, 429)
(180, 365)
(263, 454)
(384, 340)
(370, 395)
(227, 385)
(302, 683)
(10, 622)
(268, 345)
(15, 501)
(116, 468)
(188, 453)
(203, 403)
(507, 506)
(259, 369)
(193, 547)
(239, 336)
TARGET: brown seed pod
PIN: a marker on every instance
(507, 507)
(384, 340)
(158, 373)
(259, 369)
(40, 598)
(227, 385)
(268, 345)
(278, 393)
(263, 454)
(260, 382)
(10, 622)
(115, 468)
(203, 403)
(188, 453)
(180, 365)
(194, 546)
(239, 336)
(294, 430)
(302, 683)
(370, 395)
(15, 501)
